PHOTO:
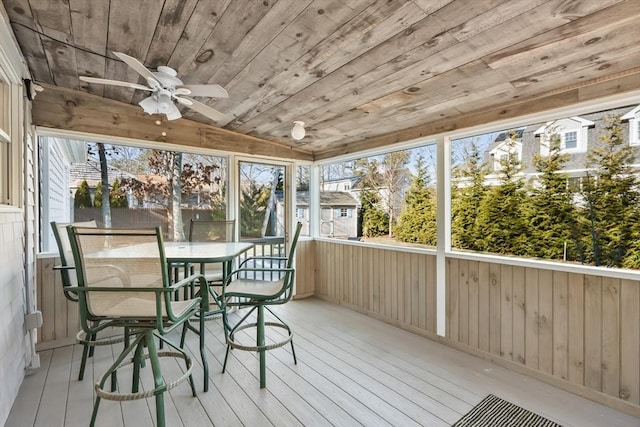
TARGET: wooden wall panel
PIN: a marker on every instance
(60, 318)
(519, 315)
(305, 268)
(580, 329)
(576, 328)
(393, 285)
(629, 339)
(531, 331)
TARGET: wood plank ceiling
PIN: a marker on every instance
(360, 73)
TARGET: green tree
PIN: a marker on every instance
(82, 197)
(611, 201)
(466, 199)
(549, 210)
(253, 205)
(117, 196)
(373, 218)
(500, 226)
(417, 221)
(97, 196)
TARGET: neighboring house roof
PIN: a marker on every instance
(327, 198)
(580, 122)
(90, 170)
(632, 114)
(337, 198)
(515, 132)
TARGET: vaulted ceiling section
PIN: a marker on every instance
(359, 73)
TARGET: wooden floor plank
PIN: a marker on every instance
(446, 406)
(56, 389)
(352, 370)
(25, 408)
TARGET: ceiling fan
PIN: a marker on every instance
(165, 87)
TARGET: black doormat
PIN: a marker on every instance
(495, 412)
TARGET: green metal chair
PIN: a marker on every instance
(258, 283)
(123, 281)
(69, 284)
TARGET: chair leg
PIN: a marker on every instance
(183, 335)
(203, 353)
(83, 362)
(92, 348)
(260, 343)
(137, 362)
(293, 351)
(109, 373)
(226, 328)
(157, 377)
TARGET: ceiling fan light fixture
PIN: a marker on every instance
(298, 132)
(149, 105)
(165, 104)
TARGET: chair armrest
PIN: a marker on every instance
(204, 288)
(188, 280)
(64, 267)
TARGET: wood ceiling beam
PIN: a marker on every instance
(69, 109)
(580, 92)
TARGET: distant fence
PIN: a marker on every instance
(141, 217)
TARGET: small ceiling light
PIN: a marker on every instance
(298, 132)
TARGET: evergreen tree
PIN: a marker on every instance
(548, 210)
(466, 199)
(117, 196)
(82, 198)
(97, 196)
(611, 200)
(500, 226)
(374, 220)
(253, 205)
(417, 221)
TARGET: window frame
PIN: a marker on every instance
(11, 134)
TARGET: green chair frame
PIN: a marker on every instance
(145, 329)
(69, 284)
(242, 289)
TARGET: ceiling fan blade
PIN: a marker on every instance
(201, 108)
(113, 83)
(139, 68)
(213, 91)
(184, 101)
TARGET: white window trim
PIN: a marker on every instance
(582, 136)
(634, 131)
(634, 125)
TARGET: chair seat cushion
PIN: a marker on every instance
(257, 289)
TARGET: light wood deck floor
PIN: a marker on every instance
(352, 370)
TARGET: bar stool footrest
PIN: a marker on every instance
(149, 393)
(233, 344)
